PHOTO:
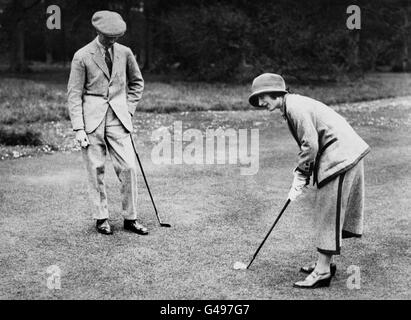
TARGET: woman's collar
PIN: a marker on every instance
(283, 107)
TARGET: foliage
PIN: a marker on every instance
(304, 40)
(232, 40)
(207, 41)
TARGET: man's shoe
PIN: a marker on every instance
(314, 280)
(134, 226)
(309, 269)
(103, 227)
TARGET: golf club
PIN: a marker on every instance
(242, 266)
(165, 225)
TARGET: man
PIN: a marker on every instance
(104, 89)
(332, 154)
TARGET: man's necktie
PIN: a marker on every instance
(109, 63)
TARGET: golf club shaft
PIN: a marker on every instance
(145, 180)
(269, 232)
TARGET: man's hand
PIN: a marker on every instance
(299, 182)
(82, 139)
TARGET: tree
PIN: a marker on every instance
(387, 33)
(14, 20)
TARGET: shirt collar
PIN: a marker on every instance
(284, 106)
(99, 44)
(102, 48)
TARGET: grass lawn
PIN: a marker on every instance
(43, 98)
(33, 109)
(218, 217)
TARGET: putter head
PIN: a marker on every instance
(165, 225)
(240, 266)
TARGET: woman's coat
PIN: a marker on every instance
(328, 145)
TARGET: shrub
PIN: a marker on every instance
(13, 136)
(208, 42)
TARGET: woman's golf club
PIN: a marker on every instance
(165, 225)
(242, 266)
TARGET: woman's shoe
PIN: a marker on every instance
(314, 280)
(309, 269)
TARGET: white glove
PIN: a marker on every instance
(82, 139)
(299, 183)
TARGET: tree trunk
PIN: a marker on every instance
(148, 39)
(49, 57)
(356, 50)
(63, 41)
(353, 57)
(405, 51)
(17, 56)
(48, 37)
(48, 43)
(139, 36)
(16, 29)
(405, 55)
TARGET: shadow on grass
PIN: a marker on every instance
(20, 136)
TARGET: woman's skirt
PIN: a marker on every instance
(339, 210)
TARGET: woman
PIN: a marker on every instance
(331, 153)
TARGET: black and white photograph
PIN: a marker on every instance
(201, 150)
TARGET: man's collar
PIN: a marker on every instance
(99, 44)
(103, 48)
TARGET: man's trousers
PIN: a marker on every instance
(112, 136)
(339, 210)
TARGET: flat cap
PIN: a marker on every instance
(109, 23)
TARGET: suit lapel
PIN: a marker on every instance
(99, 60)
